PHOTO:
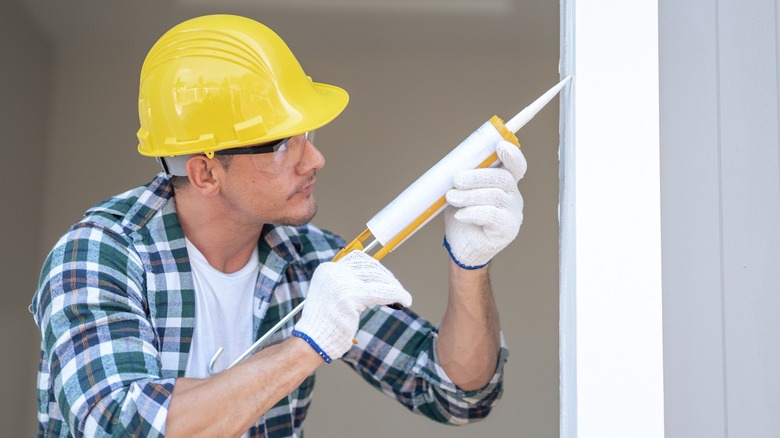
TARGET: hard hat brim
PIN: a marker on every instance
(321, 108)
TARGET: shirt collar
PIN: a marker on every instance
(285, 241)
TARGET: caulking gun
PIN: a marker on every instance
(404, 216)
(424, 199)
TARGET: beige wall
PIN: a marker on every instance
(25, 83)
(408, 108)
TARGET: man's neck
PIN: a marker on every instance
(227, 246)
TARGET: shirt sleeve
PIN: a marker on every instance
(396, 353)
(99, 352)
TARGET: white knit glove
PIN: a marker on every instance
(485, 209)
(338, 293)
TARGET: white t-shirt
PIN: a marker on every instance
(223, 312)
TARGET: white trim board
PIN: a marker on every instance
(611, 313)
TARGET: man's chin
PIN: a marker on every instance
(297, 221)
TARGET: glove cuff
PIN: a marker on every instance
(313, 344)
(457, 262)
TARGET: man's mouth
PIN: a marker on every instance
(305, 188)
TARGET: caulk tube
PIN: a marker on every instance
(424, 198)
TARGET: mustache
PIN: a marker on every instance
(303, 184)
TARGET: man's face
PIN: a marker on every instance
(257, 197)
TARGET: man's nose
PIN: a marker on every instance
(312, 158)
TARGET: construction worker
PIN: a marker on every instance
(134, 300)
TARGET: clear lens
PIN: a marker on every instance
(287, 156)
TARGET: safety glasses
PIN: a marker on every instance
(276, 156)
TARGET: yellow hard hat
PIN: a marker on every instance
(223, 81)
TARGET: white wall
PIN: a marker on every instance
(721, 217)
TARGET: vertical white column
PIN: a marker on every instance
(611, 313)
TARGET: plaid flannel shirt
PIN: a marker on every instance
(115, 306)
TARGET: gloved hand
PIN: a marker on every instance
(485, 209)
(338, 293)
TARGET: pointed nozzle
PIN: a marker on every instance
(530, 111)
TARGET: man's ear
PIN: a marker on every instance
(203, 173)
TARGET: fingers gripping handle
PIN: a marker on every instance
(338, 294)
(357, 245)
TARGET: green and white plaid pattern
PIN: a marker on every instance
(115, 306)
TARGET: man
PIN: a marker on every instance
(135, 298)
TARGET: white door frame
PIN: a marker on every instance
(611, 346)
